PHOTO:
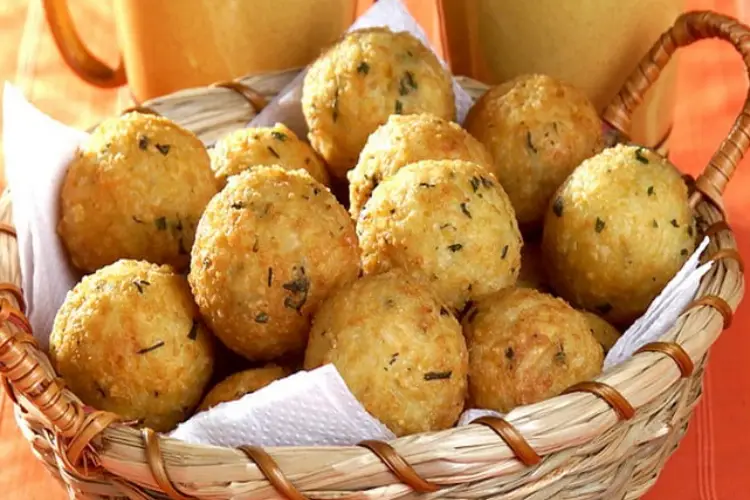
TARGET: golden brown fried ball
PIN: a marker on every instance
(358, 83)
(128, 339)
(399, 351)
(617, 231)
(136, 190)
(532, 274)
(448, 221)
(406, 139)
(246, 148)
(538, 130)
(606, 334)
(269, 247)
(526, 346)
(245, 382)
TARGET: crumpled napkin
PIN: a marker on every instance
(37, 150)
(312, 408)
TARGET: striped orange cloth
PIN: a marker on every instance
(712, 462)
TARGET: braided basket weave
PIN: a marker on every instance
(603, 439)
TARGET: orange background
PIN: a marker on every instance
(713, 461)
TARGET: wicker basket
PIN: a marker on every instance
(604, 439)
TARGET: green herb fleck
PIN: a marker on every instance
(455, 247)
(140, 284)
(100, 390)
(143, 142)
(163, 148)
(181, 248)
(279, 136)
(684, 252)
(151, 348)
(399, 107)
(690, 231)
(161, 223)
(437, 375)
(604, 308)
(529, 143)
(426, 185)
(273, 152)
(651, 190)
(465, 210)
(639, 156)
(599, 226)
(261, 318)
(393, 358)
(654, 223)
(560, 355)
(363, 68)
(270, 276)
(674, 223)
(474, 183)
(557, 206)
(407, 83)
(485, 181)
(510, 353)
(504, 252)
(238, 205)
(299, 288)
(193, 333)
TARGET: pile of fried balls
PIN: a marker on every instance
(484, 266)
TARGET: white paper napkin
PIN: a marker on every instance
(287, 107)
(305, 409)
(37, 150)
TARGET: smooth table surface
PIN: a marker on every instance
(713, 460)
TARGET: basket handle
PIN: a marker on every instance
(691, 27)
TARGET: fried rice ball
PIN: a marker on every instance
(532, 274)
(135, 190)
(538, 130)
(400, 352)
(239, 384)
(352, 89)
(606, 334)
(248, 147)
(526, 346)
(128, 339)
(269, 247)
(617, 231)
(406, 139)
(448, 221)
